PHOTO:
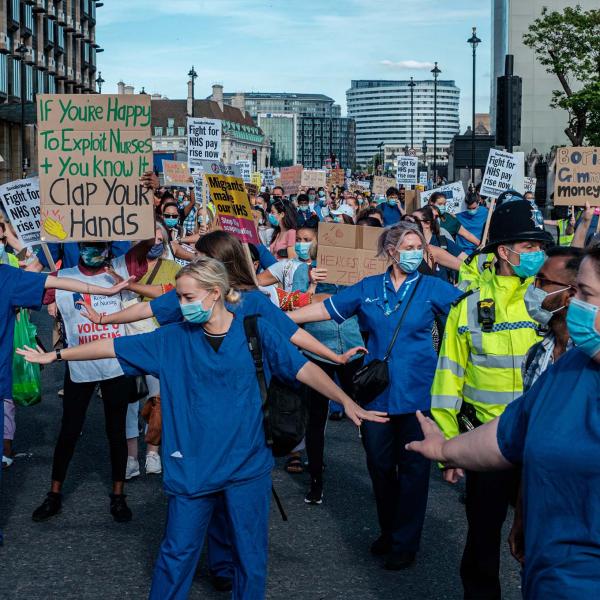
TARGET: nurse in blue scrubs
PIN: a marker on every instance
(553, 432)
(213, 439)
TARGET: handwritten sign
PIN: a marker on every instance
(291, 178)
(577, 178)
(407, 170)
(232, 205)
(251, 189)
(204, 140)
(177, 173)
(529, 184)
(21, 200)
(92, 151)
(381, 184)
(503, 171)
(313, 178)
(454, 193)
(245, 167)
(268, 179)
(336, 177)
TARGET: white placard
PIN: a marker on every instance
(204, 140)
(21, 200)
(455, 196)
(529, 184)
(245, 170)
(268, 179)
(503, 171)
(423, 178)
(407, 170)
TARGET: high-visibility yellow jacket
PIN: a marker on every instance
(564, 238)
(471, 270)
(479, 367)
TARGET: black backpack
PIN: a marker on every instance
(285, 410)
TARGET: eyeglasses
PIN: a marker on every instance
(539, 281)
(170, 216)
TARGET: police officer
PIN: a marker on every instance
(488, 334)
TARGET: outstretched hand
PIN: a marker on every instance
(118, 287)
(36, 355)
(88, 312)
(432, 447)
(344, 358)
(358, 415)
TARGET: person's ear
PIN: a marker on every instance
(503, 252)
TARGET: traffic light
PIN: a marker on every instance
(508, 108)
(254, 158)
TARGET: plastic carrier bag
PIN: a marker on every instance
(26, 387)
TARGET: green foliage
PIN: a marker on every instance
(567, 43)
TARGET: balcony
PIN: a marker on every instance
(39, 6)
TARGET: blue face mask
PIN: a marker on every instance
(581, 323)
(410, 260)
(338, 219)
(442, 209)
(171, 221)
(273, 220)
(92, 256)
(304, 208)
(311, 197)
(531, 263)
(194, 312)
(392, 201)
(321, 194)
(302, 250)
(472, 211)
(156, 251)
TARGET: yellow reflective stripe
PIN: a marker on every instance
(497, 361)
(443, 401)
(489, 396)
(447, 363)
(473, 322)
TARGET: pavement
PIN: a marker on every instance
(321, 553)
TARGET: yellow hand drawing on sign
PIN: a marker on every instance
(54, 228)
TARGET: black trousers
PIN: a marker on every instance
(487, 499)
(116, 394)
(318, 411)
(400, 479)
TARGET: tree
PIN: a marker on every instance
(568, 44)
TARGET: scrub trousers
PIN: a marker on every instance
(247, 510)
(400, 479)
(487, 498)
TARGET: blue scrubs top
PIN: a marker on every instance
(212, 420)
(70, 253)
(265, 258)
(167, 310)
(391, 214)
(413, 359)
(450, 246)
(19, 289)
(472, 223)
(554, 432)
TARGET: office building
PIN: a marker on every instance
(305, 129)
(541, 126)
(381, 110)
(46, 46)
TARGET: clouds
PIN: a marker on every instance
(413, 65)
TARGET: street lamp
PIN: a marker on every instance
(192, 75)
(99, 82)
(22, 50)
(380, 146)
(424, 150)
(436, 72)
(474, 41)
(411, 85)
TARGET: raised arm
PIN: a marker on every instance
(309, 314)
(135, 312)
(444, 258)
(467, 235)
(308, 342)
(74, 285)
(91, 351)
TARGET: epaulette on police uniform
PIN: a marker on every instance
(463, 296)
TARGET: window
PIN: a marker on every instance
(29, 83)
(158, 131)
(181, 131)
(40, 88)
(170, 123)
(51, 84)
(61, 36)
(170, 132)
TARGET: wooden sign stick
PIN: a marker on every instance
(487, 223)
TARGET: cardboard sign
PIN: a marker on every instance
(529, 184)
(381, 184)
(577, 178)
(232, 205)
(503, 171)
(411, 201)
(92, 151)
(349, 252)
(251, 189)
(245, 170)
(336, 177)
(204, 140)
(455, 196)
(406, 173)
(177, 173)
(291, 179)
(21, 200)
(313, 178)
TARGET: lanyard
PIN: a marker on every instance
(387, 311)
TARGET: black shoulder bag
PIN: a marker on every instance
(372, 379)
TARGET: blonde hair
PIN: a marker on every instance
(209, 273)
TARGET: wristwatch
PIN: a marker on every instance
(58, 354)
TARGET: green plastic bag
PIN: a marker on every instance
(26, 387)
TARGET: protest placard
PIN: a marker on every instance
(336, 177)
(92, 151)
(204, 140)
(251, 189)
(423, 178)
(291, 179)
(455, 196)
(256, 179)
(381, 184)
(245, 167)
(411, 201)
(268, 178)
(577, 178)
(406, 172)
(314, 178)
(177, 173)
(503, 171)
(21, 200)
(529, 184)
(232, 205)
(349, 253)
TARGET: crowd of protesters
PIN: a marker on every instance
(481, 339)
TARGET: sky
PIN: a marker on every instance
(303, 46)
